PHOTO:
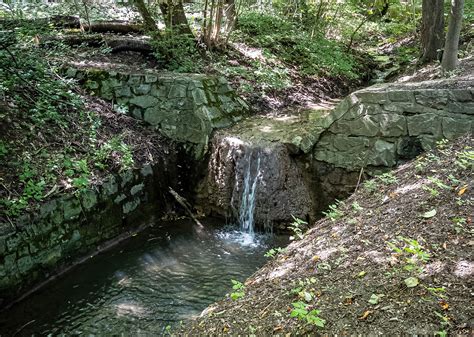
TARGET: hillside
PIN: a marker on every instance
(396, 257)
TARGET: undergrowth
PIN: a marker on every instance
(50, 140)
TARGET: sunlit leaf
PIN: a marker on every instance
(366, 314)
(411, 282)
(429, 214)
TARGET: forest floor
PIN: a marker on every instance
(394, 258)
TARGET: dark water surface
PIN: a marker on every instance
(160, 277)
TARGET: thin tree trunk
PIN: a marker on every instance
(148, 21)
(349, 46)
(218, 22)
(175, 17)
(432, 29)
(450, 55)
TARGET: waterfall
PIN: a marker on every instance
(250, 182)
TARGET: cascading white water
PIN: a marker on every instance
(251, 179)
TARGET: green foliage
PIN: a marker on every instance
(297, 228)
(465, 159)
(356, 207)
(312, 54)
(114, 148)
(274, 252)
(387, 178)
(177, 52)
(239, 292)
(302, 289)
(334, 213)
(413, 254)
(301, 311)
(370, 185)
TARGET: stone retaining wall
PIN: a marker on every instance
(378, 127)
(382, 125)
(68, 227)
(184, 107)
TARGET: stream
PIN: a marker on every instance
(159, 278)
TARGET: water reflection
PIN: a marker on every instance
(158, 278)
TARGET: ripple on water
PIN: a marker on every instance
(158, 278)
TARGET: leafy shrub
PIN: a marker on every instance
(313, 55)
(177, 52)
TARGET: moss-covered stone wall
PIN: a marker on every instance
(184, 107)
(71, 226)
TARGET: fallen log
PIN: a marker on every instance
(74, 22)
(118, 27)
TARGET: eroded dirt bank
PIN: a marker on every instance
(396, 257)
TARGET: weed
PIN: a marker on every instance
(387, 178)
(439, 183)
(356, 207)
(301, 311)
(465, 159)
(302, 290)
(333, 212)
(433, 191)
(274, 252)
(412, 253)
(371, 185)
(458, 223)
(297, 228)
(239, 288)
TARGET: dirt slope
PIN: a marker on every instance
(396, 257)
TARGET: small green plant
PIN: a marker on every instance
(274, 252)
(370, 185)
(302, 289)
(239, 288)
(439, 183)
(433, 191)
(333, 212)
(444, 322)
(297, 228)
(387, 178)
(301, 311)
(177, 52)
(356, 207)
(438, 292)
(458, 223)
(413, 254)
(465, 159)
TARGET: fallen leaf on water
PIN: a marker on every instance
(462, 190)
(366, 313)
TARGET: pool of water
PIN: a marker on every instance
(160, 277)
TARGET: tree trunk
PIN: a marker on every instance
(432, 29)
(175, 17)
(148, 21)
(450, 54)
